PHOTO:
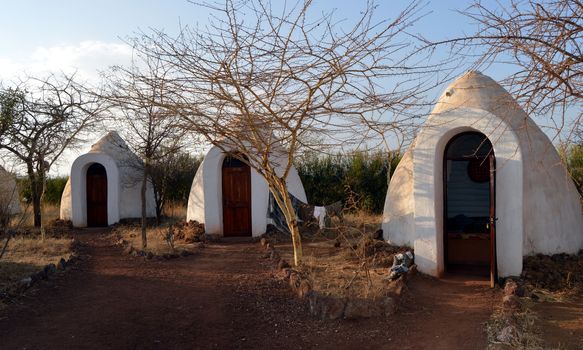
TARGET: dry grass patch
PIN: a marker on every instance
(26, 255)
(157, 242)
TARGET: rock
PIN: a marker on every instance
(304, 288)
(269, 246)
(512, 287)
(23, 284)
(275, 255)
(294, 280)
(507, 334)
(359, 308)
(149, 255)
(61, 264)
(50, 268)
(263, 241)
(282, 264)
(396, 287)
(511, 302)
(378, 235)
(134, 253)
(326, 307)
(389, 305)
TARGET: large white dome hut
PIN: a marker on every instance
(481, 187)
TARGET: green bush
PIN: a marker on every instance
(328, 179)
(55, 186)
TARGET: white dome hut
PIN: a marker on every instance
(104, 185)
(481, 185)
(9, 197)
(231, 198)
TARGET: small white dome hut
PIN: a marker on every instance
(481, 185)
(231, 198)
(104, 185)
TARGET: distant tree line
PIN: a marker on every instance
(331, 178)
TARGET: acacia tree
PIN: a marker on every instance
(257, 80)
(40, 119)
(136, 93)
(542, 41)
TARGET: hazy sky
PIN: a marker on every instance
(40, 36)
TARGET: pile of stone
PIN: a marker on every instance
(554, 272)
(508, 329)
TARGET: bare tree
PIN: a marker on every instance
(136, 93)
(258, 79)
(542, 41)
(44, 117)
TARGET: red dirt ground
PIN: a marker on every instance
(561, 323)
(224, 297)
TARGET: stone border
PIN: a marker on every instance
(17, 288)
(328, 307)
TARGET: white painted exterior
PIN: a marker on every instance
(537, 205)
(9, 197)
(124, 176)
(205, 203)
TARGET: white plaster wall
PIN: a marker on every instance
(205, 200)
(9, 196)
(398, 215)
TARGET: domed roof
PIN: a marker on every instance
(476, 90)
(114, 146)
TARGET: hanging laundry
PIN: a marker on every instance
(320, 214)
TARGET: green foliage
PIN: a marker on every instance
(573, 157)
(326, 179)
(53, 194)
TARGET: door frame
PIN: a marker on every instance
(491, 158)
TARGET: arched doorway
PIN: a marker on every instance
(469, 205)
(96, 196)
(236, 184)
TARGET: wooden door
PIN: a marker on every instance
(236, 180)
(96, 196)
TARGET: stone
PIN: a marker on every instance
(263, 241)
(304, 288)
(390, 306)
(359, 308)
(511, 302)
(61, 264)
(326, 307)
(50, 268)
(149, 255)
(512, 287)
(507, 334)
(134, 253)
(282, 264)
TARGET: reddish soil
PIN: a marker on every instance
(561, 323)
(225, 296)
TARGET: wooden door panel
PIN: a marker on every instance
(236, 201)
(96, 184)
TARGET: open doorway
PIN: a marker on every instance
(96, 196)
(469, 210)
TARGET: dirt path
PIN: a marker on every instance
(561, 323)
(224, 297)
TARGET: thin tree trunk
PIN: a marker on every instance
(143, 195)
(41, 201)
(35, 195)
(292, 222)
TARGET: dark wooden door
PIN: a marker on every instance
(96, 196)
(236, 198)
